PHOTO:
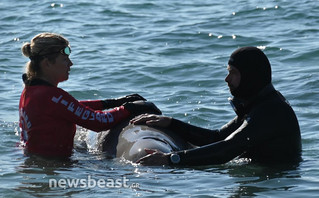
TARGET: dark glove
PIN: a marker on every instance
(140, 107)
(111, 103)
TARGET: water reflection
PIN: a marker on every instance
(254, 179)
(233, 179)
(36, 172)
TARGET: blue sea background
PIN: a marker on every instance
(174, 53)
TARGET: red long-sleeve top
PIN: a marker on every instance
(48, 118)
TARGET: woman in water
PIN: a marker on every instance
(48, 114)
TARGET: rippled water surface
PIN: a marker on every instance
(174, 53)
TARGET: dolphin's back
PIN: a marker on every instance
(129, 141)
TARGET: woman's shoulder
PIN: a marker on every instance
(43, 92)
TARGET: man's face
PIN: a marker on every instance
(233, 78)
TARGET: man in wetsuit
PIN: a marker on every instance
(265, 129)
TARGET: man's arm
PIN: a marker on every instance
(193, 134)
(257, 136)
(215, 153)
(201, 136)
(218, 152)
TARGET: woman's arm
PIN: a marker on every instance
(63, 106)
(93, 104)
(111, 103)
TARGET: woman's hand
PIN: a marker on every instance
(154, 158)
(139, 107)
(130, 98)
(152, 120)
(112, 103)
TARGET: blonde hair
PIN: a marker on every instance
(43, 45)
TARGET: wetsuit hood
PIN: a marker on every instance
(255, 71)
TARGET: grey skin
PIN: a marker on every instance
(129, 141)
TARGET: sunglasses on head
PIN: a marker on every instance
(66, 51)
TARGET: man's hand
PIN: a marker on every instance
(152, 120)
(154, 158)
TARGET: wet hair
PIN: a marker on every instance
(255, 71)
(43, 45)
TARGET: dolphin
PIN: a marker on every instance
(129, 141)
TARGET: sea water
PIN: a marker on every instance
(173, 53)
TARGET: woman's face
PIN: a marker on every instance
(59, 70)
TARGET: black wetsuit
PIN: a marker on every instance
(265, 130)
